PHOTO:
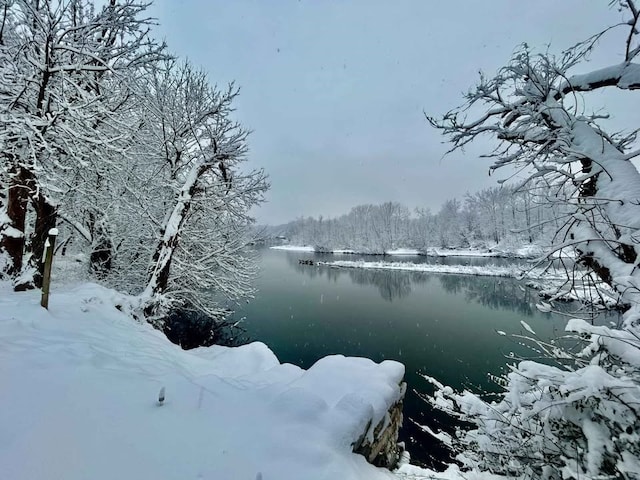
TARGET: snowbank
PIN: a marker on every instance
(513, 271)
(403, 251)
(80, 388)
(527, 251)
(294, 248)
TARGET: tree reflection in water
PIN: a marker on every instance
(492, 292)
(391, 285)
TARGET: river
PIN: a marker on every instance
(441, 325)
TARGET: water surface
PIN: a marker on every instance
(442, 325)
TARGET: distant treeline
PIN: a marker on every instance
(498, 216)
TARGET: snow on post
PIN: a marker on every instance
(49, 245)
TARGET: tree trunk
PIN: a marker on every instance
(20, 181)
(102, 248)
(161, 262)
(46, 216)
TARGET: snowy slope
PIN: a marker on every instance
(80, 387)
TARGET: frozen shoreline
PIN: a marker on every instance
(509, 271)
(529, 251)
(551, 286)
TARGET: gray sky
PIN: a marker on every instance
(334, 91)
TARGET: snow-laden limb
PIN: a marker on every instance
(81, 385)
(578, 416)
(625, 76)
(576, 422)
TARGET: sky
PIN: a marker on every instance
(335, 92)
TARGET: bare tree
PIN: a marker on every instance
(199, 257)
(576, 416)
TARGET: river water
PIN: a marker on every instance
(441, 325)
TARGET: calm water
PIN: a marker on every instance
(441, 325)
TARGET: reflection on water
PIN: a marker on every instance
(441, 325)
(492, 292)
(391, 285)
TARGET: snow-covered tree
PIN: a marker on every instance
(135, 154)
(58, 62)
(448, 224)
(577, 416)
(198, 255)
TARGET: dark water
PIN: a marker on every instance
(441, 325)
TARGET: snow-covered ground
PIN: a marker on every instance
(403, 251)
(513, 271)
(527, 251)
(294, 248)
(80, 388)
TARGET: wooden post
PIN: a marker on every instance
(49, 246)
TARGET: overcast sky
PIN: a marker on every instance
(334, 91)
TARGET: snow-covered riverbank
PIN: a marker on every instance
(551, 285)
(81, 385)
(511, 271)
(527, 251)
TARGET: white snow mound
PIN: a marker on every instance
(80, 386)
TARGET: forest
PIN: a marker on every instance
(502, 217)
(130, 151)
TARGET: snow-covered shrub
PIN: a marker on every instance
(579, 418)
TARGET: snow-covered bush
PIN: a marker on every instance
(579, 418)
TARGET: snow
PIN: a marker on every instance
(514, 271)
(294, 248)
(527, 327)
(9, 231)
(626, 75)
(453, 472)
(526, 251)
(403, 251)
(80, 399)
(448, 252)
(343, 251)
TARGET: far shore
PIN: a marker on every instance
(525, 252)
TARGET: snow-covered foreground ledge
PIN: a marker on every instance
(80, 387)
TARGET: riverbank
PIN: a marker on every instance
(510, 271)
(90, 393)
(549, 284)
(523, 252)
